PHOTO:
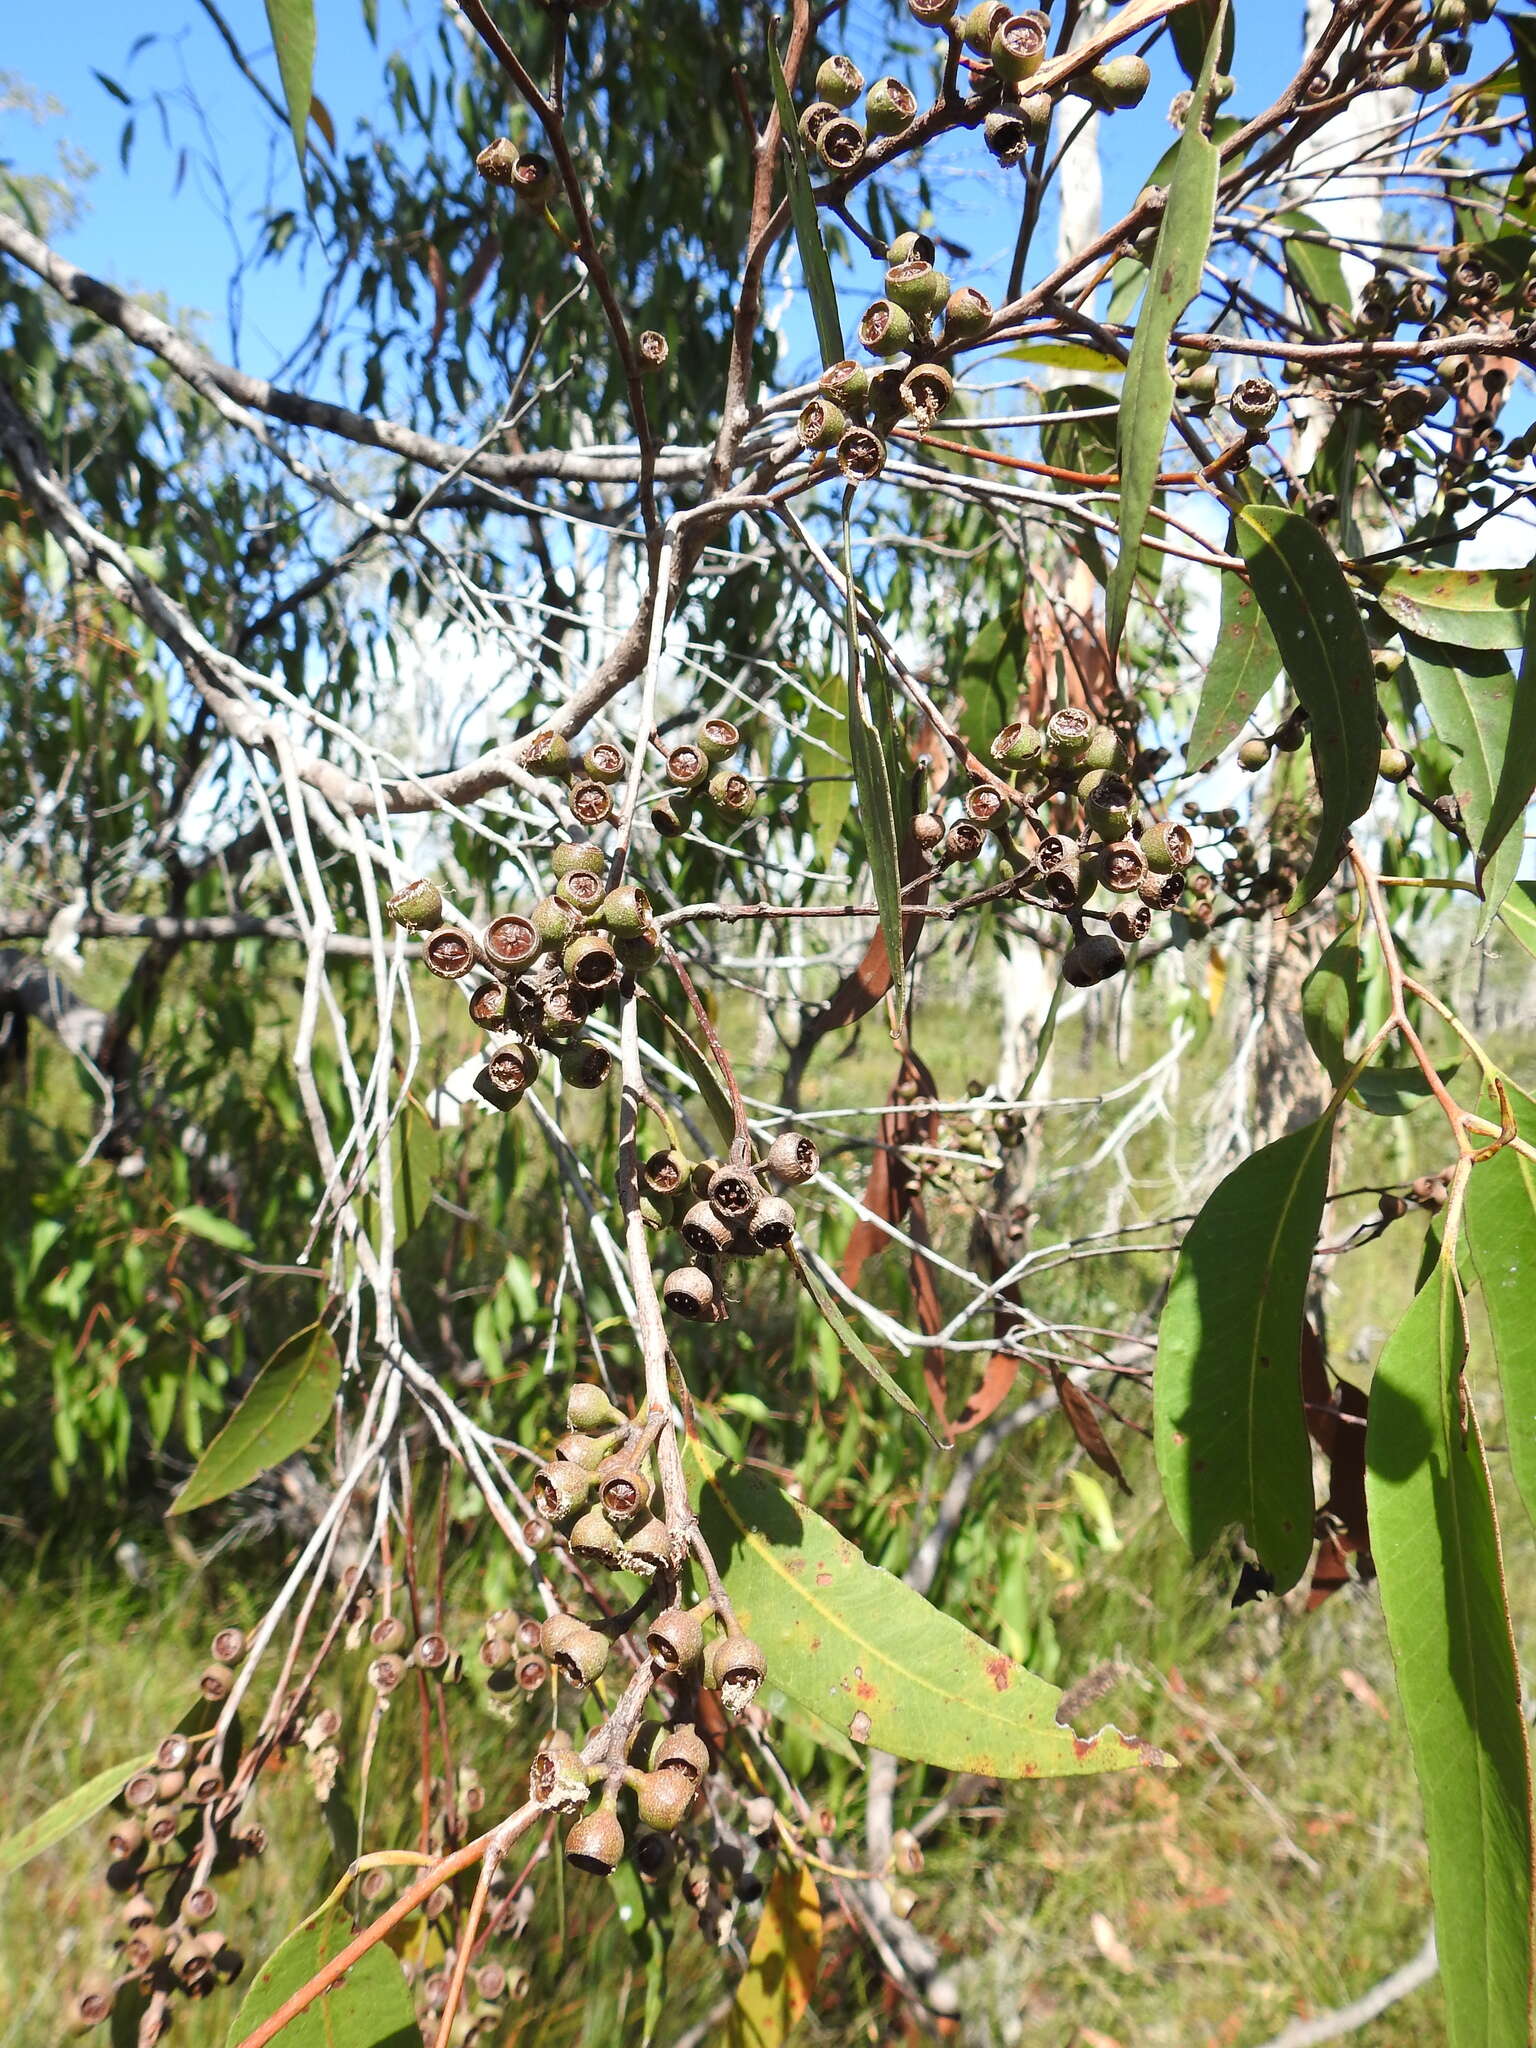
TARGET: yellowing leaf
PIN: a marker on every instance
(781, 1970)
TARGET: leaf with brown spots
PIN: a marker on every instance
(853, 1645)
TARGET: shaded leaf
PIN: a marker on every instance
(1230, 1431)
(850, 1337)
(371, 2007)
(775, 1992)
(1178, 261)
(828, 793)
(1436, 1547)
(416, 1157)
(1471, 705)
(286, 1407)
(1244, 664)
(1317, 628)
(1191, 27)
(1394, 1091)
(1336, 1424)
(990, 676)
(1501, 1237)
(1516, 780)
(802, 210)
(1330, 1002)
(858, 1647)
(1518, 915)
(67, 1814)
(200, 1222)
(292, 23)
(702, 1068)
(1481, 608)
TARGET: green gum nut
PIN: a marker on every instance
(889, 107)
(966, 314)
(887, 329)
(839, 82)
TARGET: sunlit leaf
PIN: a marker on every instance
(371, 2006)
(1501, 1236)
(285, 1408)
(853, 1342)
(775, 1991)
(292, 23)
(67, 1814)
(856, 1646)
(802, 208)
(1471, 704)
(1178, 262)
(1231, 1438)
(1435, 1543)
(203, 1223)
(1312, 614)
(829, 791)
(1316, 271)
(1466, 607)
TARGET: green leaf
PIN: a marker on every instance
(416, 1155)
(371, 2007)
(1518, 916)
(1472, 708)
(199, 1222)
(1230, 1434)
(1501, 1237)
(868, 741)
(1091, 448)
(1146, 405)
(1468, 607)
(67, 1814)
(1191, 28)
(1312, 613)
(285, 1408)
(1064, 355)
(292, 23)
(991, 672)
(828, 792)
(802, 211)
(1330, 1002)
(1516, 782)
(1244, 664)
(855, 1343)
(1394, 1091)
(1315, 270)
(1435, 1543)
(857, 1647)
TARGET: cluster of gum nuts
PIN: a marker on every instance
(1076, 760)
(540, 974)
(157, 1840)
(599, 1488)
(721, 1209)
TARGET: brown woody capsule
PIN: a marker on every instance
(687, 766)
(681, 1749)
(593, 1538)
(449, 953)
(431, 1652)
(690, 1294)
(840, 144)
(963, 841)
(664, 1172)
(730, 796)
(388, 1634)
(585, 1064)
(173, 1753)
(205, 1785)
(772, 1224)
(733, 1193)
(142, 1790)
(649, 1549)
(927, 391)
(578, 1653)
(1055, 851)
(491, 1982)
(704, 1230)
(596, 1843)
(676, 1639)
(559, 1489)
(200, 1905)
(91, 2004)
(161, 1824)
(138, 1912)
(549, 754)
(496, 1652)
(813, 119)
(735, 1667)
(533, 181)
(984, 805)
(662, 1799)
(652, 350)
(793, 1159)
(1122, 866)
(966, 314)
(860, 455)
(1161, 892)
(125, 1839)
(927, 831)
(622, 1489)
(821, 424)
(386, 1672)
(591, 962)
(531, 1673)
(488, 1006)
(581, 890)
(510, 942)
(590, 801)
(1129, 926)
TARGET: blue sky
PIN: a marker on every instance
(145, 231)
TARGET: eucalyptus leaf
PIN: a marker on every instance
(1312, 614)
(1501, 1236)
(1243, 665)
(1394, 1091)
(856, 1646)
(203, 1223)
(1178, 262)
(1470, 699)
(78, 1806)
(855, 1343)
(1230, 1432)
(370, 2007)
(1480, 608)
(1435, 1544)
(802, 210)
(1330, 1002)
(868, 741)
(292, 23)
(285, 1408)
